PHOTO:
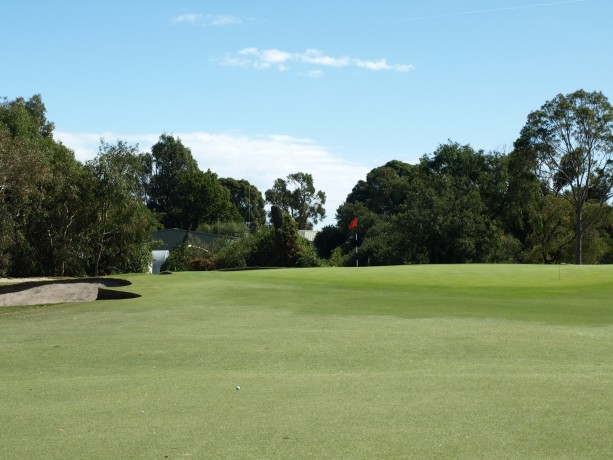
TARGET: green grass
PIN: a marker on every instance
(459, 361)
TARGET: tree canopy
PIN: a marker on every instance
(297, 197)
(180, 193)
(570, 141)
(546, 201)
(61, 217)
(247, 199)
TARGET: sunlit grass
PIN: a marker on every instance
(466, 361)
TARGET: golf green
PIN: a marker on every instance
(450, 361)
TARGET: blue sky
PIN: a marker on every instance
(261, 89)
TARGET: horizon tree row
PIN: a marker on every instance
(547, 201)
(62, 217)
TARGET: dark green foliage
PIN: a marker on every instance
(447, 209)
(24, 171)
(186, 257)
(180, 193)
(40, 195)
(367, 218)
(247, 199)
(281, 247)
(26, 119)
(307, 256)
(327, 239)
(297, 197)
(262, 252)
(231, 229)
(121, 223)
(569, 141)
(287, 243)
(276, 217)
(266, 247)
(385, 188)
(234, 252)
(201, 264)
(545, 202)
(60, 217)
(178, 260)
(462, 205)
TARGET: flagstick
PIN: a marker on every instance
(357, 263)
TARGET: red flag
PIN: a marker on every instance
(354, 223)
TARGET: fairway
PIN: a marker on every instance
(449, 361)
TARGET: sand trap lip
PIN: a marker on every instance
(45, 291)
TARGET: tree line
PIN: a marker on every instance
(546, 201)
(61, 217)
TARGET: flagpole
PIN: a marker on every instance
(354, 224)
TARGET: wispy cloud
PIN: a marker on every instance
(225, 20)
(314, 74)
(281, 60)
(199, 19)
(259, 159)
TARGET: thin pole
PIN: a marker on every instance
(357, 262)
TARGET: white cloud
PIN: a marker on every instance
(382, 64)
(316, 57)
(260, 159)
(225, 20)
(315, 74)
(275, 58)
(198, 19)
(189, 18)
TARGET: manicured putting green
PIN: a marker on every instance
(455, 361)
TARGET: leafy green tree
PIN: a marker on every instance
(234, 252)
(570, 139)
(524, 198)
(26, 119)
(172, 164)
(180, 193)
(327, 239)
(200, 198)
(473, 169)
(385, 189)
(230, 229)
(277, 247)
(24, 171)
(247, 199)
(58, 221)
(445, 209)
(121, 223)
(551, 236)
(606, 232)
(297, 197)
(61, 217)
(469, 191)
(287, 243)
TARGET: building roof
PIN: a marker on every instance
(308, 234)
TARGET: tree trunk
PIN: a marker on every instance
(578, 237)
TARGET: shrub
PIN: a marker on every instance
(201, 264)
(233, 253)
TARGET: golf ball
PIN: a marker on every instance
(238, 388)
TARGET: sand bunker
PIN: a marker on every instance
(44, 291)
